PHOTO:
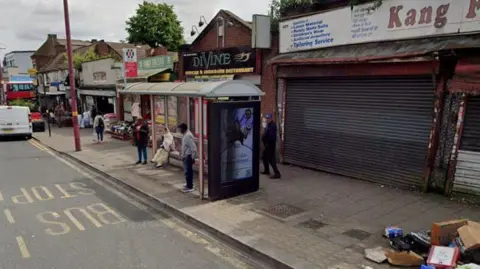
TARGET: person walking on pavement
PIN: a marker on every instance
(188, 153)
(269, 139)
(99, 125)
(141, 140)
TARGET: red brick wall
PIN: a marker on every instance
(269, 85)
(236, 35)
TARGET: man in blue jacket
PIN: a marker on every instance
(269, 139)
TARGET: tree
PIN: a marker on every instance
(155, 25)
(22, 102)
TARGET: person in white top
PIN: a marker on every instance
(99, 125)
(161, 157)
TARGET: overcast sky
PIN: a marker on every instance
(24, 24)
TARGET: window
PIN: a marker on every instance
(100, 76)
(20, 87)
(172, 112)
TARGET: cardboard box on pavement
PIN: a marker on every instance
(444, 232)
(443, 257)
(470, 235)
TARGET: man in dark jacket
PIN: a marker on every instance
(141, 140)
(269, 140)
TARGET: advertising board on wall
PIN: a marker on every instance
(237, 60)
(130, 62)
(393, 20)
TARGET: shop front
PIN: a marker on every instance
(103, 99)
(367, 110)
(235, 63)
(465, 160)
(156, 69)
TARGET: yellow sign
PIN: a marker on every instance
(32, 71)
(220, 71)
(163, 77)
(172, 121)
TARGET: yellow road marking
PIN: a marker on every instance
(195, 238)
(38, 145)
(9, 216)
(23, 247)
(1, 197)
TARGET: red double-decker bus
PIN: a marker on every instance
(20, 90)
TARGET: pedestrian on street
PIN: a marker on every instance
(188, 153)
(93, 112)
(141, 140)
(99, 125)
(269, 139)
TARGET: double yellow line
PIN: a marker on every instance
(38, 145)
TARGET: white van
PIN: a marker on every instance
(15, 121)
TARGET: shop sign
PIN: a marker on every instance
(157, 62)
(237, 60)
(393, 20)
(130, 62)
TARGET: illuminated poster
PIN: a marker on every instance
(236, 143)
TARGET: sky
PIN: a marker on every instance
(24, 24)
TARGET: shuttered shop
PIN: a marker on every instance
(371, 128)
(467, 173)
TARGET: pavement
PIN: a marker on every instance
(56, 215)
(307, 219)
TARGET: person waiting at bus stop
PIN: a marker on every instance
(141, 140)
(188, 153)
(269, 139)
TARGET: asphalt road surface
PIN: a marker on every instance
(53, 216)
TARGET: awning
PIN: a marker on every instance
(98, 93)
(227, 88)
(53, 93)
(467, 77)
(144, 75)
(378, 51)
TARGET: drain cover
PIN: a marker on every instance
(283, 211)
(313, 224)
(357, 234)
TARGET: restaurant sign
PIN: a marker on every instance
(238, 60)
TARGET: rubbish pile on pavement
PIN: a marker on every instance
(448, 245)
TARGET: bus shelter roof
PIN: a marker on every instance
(228, 88)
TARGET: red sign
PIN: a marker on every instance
(131, 70)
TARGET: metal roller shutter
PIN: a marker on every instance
(371, 128)
(467, 173)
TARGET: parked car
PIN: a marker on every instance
(38, 123)
(15, 121)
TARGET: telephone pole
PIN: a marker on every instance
(71, 74)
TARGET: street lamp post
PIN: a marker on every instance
(73, 94)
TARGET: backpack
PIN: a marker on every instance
(100, 123)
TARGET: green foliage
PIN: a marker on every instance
(155, 25)
(278, 7)
(22, 102)
(89, 56)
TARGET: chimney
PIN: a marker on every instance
(53, 37)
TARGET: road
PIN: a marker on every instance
(55, 216)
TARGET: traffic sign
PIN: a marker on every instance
(129, 55)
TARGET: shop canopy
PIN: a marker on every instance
(228, 88)
(144, 75)
(378, 51)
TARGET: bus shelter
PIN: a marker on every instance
(226, 112)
